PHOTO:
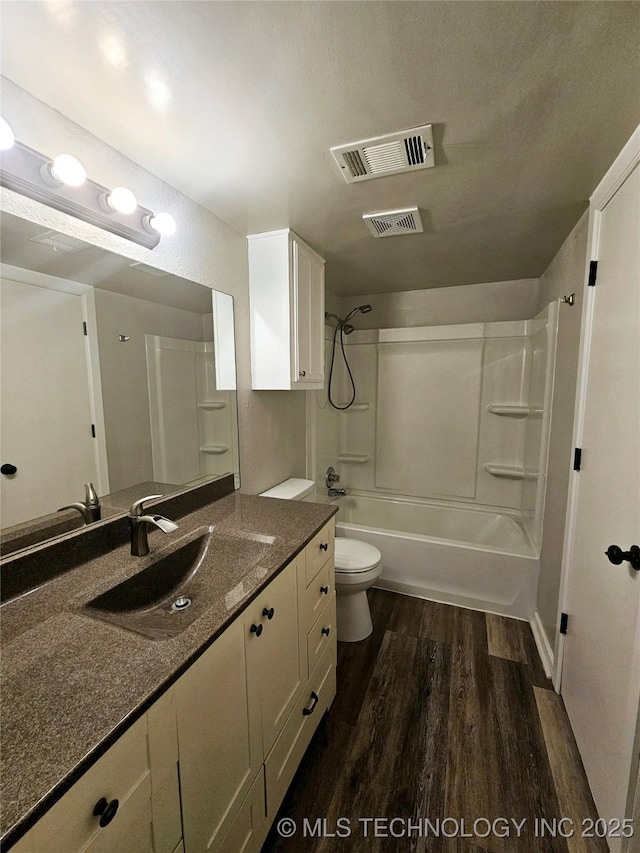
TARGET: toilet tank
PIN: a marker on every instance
(293, 489)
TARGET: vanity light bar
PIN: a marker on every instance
(31, 174)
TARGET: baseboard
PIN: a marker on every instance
(542, 643)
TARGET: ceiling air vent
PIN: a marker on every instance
(61, 242)
(138, 265)
(391, 223)
(405, 151)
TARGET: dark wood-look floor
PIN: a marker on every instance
(442, 713)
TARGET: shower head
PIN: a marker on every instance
(364, 309)
(347, 328)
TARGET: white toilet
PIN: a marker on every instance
(358, 565)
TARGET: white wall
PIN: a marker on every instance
(471, 303)
(564, 275)
(204, 249)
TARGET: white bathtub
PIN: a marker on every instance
(470, 557)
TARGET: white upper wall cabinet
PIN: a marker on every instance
(286, 288)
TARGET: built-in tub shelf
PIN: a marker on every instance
(514, 410)
(358, 458)
(510, 472)
(214, 448)
(357, 407)
(211, 405)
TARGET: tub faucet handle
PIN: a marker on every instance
(331, 477)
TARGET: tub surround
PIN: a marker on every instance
(72, 684)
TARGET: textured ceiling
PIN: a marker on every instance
(237, 104)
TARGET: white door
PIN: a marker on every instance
(601, 668)
(46, 414)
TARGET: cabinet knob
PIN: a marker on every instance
(324, 546)
(326, 631)
(314, 702)
(106, 810)
(302, 373)
(8, 469)
(324, 590)
(268, 612)
(256, 629)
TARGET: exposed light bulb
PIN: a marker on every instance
(6, 135)
(163, 223)
(122, 200)
(68, 170)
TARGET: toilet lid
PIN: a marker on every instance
(354, 556)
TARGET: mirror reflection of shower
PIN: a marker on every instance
(344, 327)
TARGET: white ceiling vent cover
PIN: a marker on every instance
(391, 223)
(405, 151)
(61, 242)
(138, 265)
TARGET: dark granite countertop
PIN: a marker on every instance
(72, 684)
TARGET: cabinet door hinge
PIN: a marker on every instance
(93, 430)
(577, 458)
(593, 273)
(84, 327)
(564, 622)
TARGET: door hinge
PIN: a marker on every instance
(593, 273)
(93, 430)
(577, 458)
(564, 622)
(84, 327)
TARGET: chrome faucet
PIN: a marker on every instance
(140, 524)
(90, 508)
(331, 479)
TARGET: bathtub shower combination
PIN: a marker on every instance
(443, 455)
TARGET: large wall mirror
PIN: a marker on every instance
(113, 373)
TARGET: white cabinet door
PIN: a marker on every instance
(294, 739)
(218, 740)
(276, 669)
(250, 825)
(120, 780)
(286, 289)
(308, 316)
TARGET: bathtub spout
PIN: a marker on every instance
(337, 493)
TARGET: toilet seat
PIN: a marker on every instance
(353, 556)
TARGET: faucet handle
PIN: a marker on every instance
(136, 506)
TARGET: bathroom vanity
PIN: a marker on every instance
(116, 741)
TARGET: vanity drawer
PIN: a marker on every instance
(287, 752)
(319, 550)
(121, 774)
(322, 634)
(314, 598)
